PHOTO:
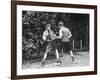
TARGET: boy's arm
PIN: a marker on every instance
(44, 36)
(70, 35)
(60, 34)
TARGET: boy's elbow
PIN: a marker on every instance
(60, 37)
(44, 39)
(71, 35)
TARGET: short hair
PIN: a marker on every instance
(47, 24)
(60, 22)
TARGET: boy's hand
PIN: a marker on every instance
(56, 37)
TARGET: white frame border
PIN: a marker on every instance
(21, 71)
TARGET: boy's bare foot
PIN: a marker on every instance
(58, 63)
(42, 63)
(74, 62)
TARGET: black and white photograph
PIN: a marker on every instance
(53, 40)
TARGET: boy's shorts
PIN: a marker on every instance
(52, 45)
(66, 45)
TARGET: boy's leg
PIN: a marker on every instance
(45, 56)
(70, 51)
(72, 56)
(43, 60)
(57, 56)
(54, 46)
(62, 49)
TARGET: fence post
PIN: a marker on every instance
(73, 45)
(81, 44)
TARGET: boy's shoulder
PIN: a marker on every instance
(64, 28)
(45, 31)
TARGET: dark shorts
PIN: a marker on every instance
(66, 46)
(52, 45)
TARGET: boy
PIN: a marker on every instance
(49, 37)
(65, 35)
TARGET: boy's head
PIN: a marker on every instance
(48, 26)
(60, 24)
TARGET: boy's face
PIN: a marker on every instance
(60, 25)
(48, 26)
